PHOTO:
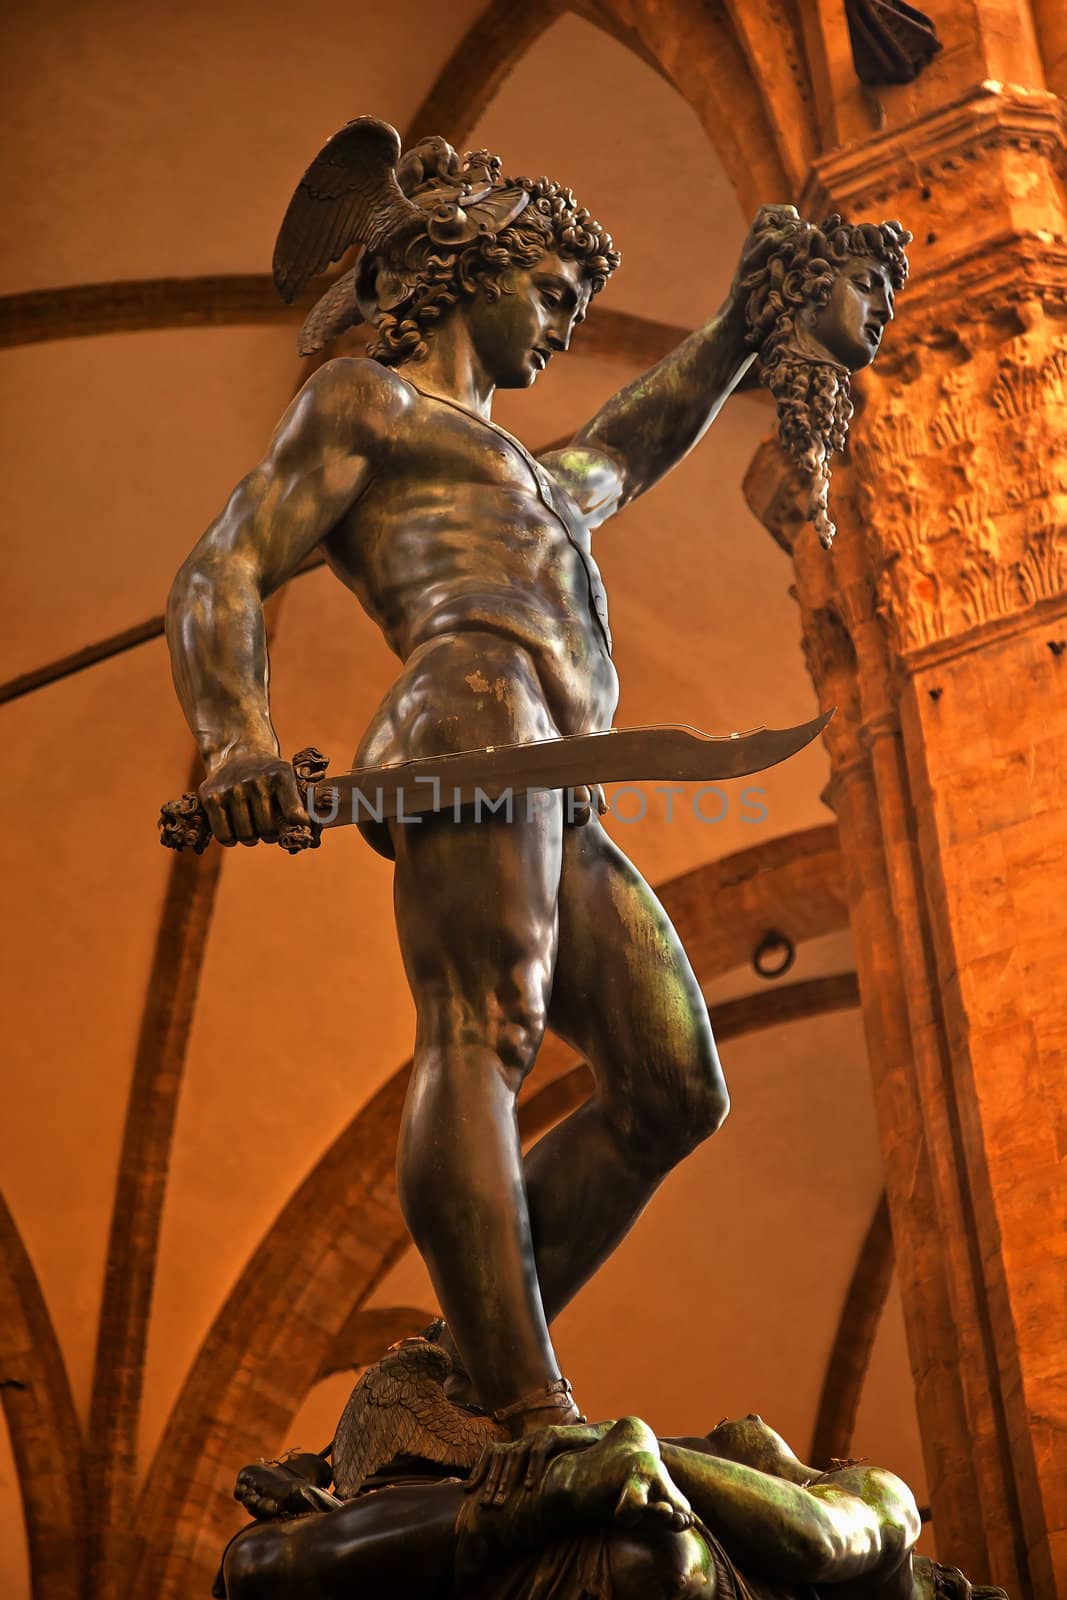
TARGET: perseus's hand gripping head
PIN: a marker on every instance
(817, 302)
(411, 215)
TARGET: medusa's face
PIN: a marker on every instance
(851, 324)
(516, 335)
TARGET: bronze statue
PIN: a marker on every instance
(475, 560)
(598, 1513)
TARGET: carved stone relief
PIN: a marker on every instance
(961, 482)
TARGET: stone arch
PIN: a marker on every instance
(744, 70)
(46, 1436)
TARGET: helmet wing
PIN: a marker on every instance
(348, 195)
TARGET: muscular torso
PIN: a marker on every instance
(459, 533)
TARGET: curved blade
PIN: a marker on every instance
(743, 753)
(630, 755)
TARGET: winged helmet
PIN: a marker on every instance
(360, 191)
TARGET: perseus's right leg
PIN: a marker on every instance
(476, 915)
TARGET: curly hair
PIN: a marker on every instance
(432, 278)
(813, 397)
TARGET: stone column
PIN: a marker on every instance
(940, 626)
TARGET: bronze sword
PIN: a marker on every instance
(454, 781)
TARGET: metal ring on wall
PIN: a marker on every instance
(774, 955)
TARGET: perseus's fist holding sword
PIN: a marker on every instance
(475, 560)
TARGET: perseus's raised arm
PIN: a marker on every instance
(319, 461)
(649, 426)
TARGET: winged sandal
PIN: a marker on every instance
(399, 1408)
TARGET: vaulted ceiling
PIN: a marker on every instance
(205, 1059)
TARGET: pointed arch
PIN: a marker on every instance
(46, 1437)
(850, 1354)
(838, 98)
(747, 80)
(167, 1014)
(768, 34)
(473, 74)
(140, 1191)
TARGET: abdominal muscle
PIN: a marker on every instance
(472, 682)
(494, 622)
(469, 564)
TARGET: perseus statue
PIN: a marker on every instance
(475, 560)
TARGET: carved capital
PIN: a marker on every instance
(954, 503)
(960, 477)
(998, 146)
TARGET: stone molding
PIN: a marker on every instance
(954, 484)
(960, 481)
(994, 279)
(939, 145)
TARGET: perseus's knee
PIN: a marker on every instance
(511, 1016)
(698, 1112)
(504, 1029)
(710, 1108)
(703, 1087)
(516, 1043)
(509, 1033)
(675, 1113)
(516, 1021)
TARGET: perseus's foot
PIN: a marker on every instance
(622, 1477)
(551, 1406)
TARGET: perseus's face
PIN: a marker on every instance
(851, 324)
(515, 336)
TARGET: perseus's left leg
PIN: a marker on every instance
(624, 995)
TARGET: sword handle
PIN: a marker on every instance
(183, 823)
